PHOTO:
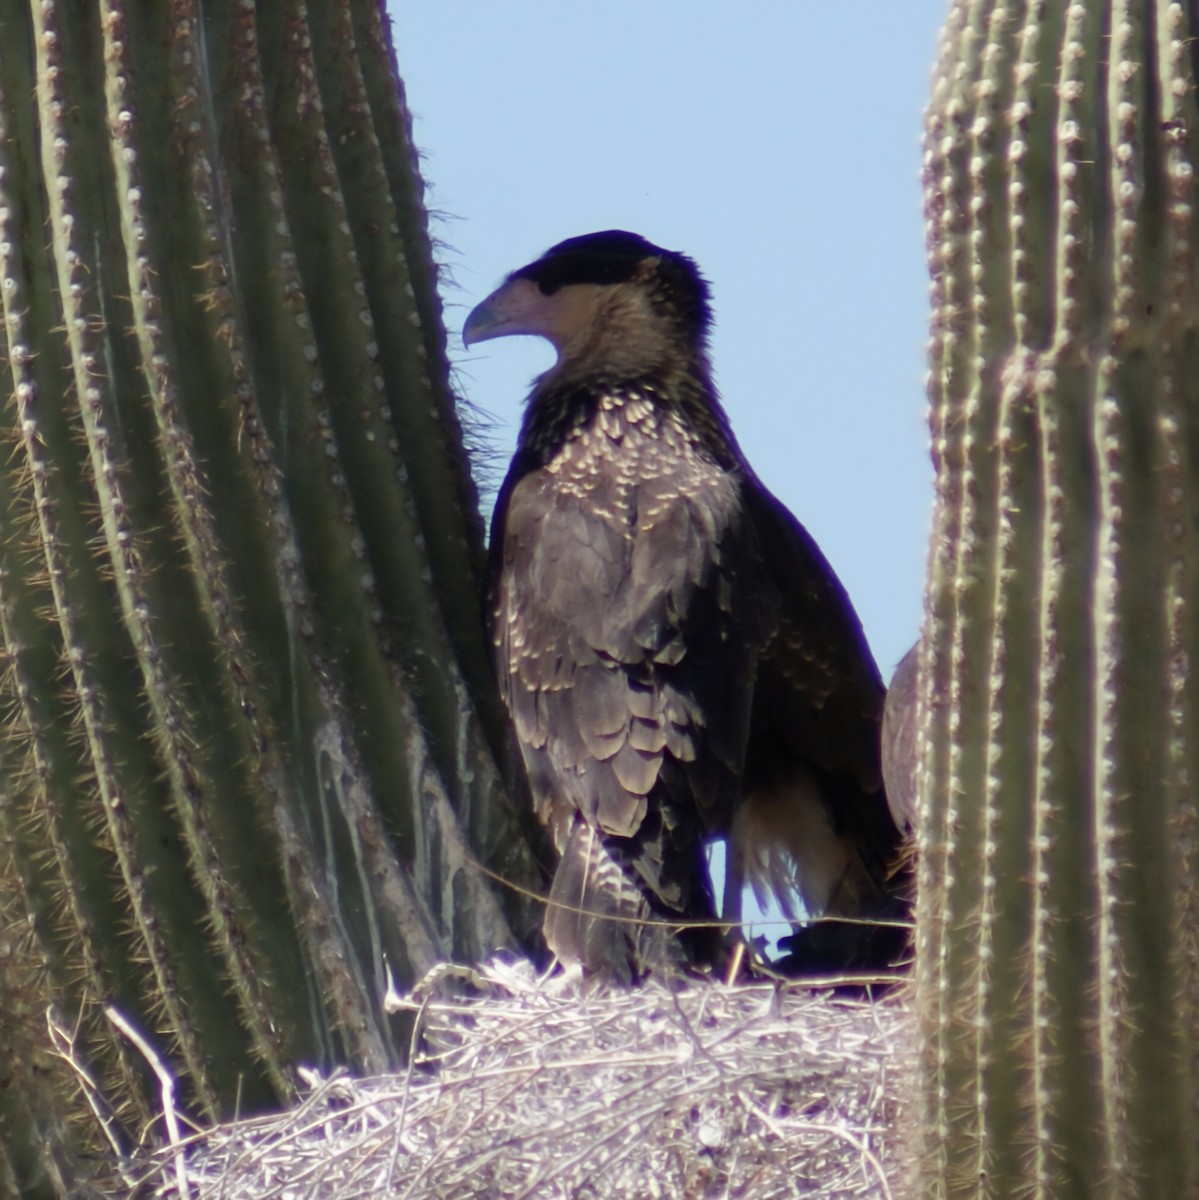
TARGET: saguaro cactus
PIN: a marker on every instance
(1058, 926)
(249, 746)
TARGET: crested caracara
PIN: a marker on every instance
(679, 660)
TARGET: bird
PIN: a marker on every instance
(679, 660)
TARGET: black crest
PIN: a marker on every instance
(615, 256)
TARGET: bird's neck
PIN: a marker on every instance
(560, 409)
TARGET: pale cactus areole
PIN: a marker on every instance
(251, 754)
(1058, 757)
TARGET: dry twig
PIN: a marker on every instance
(547, 1088)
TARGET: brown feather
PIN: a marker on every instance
(679, 659)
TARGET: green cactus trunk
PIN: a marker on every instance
(249, 737)
(1058, 924)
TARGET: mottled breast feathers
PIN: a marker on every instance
(626, 596)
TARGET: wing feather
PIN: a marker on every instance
(814, 741)
(626, 616)
(675, 650)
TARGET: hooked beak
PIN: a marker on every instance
(517, 306)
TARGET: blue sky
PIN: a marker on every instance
(779, 145)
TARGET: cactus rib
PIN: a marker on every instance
(1058, 919)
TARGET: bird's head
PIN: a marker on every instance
(611, 300)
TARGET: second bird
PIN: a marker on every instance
(679, 660)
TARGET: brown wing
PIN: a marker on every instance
(813, 783)
(625, 611)
(820, 690)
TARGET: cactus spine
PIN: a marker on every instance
(249, 737)
(1058, 924)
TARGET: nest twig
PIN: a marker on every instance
(534, 1088)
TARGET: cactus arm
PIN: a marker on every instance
(390, 248)
(1061, 1084)
(1178, 431)
(191, 779)
(1143, 945)
(1002, 433)
(342, 907)
(64, 869)
(101, 373)
(1114, 584)
(367, 375)
(946, 217)
(403, 597)
(1056, 934)
(323, 550)
(248, 730)
(248, 508)
(452, 515)
(393, 155)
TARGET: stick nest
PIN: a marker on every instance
(527, 1087)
